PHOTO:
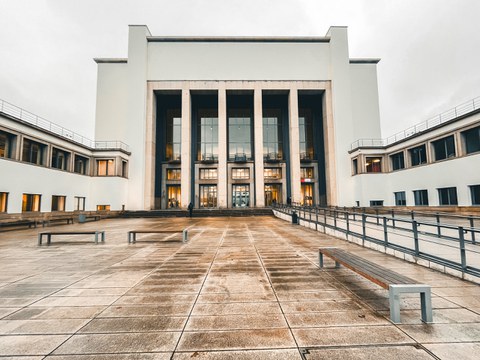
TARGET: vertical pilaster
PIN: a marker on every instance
(186, 176)
(294, 137)
(258, 144)
(222, 199)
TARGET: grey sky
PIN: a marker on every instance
(430, 49)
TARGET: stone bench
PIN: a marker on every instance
(49, 235)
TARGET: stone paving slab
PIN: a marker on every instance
(241, 288)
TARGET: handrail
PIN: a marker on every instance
(26, 116)
(448, 115)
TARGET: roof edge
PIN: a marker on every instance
(365, 61)
(311, 39)
(110, 60)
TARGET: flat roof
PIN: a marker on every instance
(287, 39)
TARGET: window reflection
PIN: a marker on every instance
(207, 142)
(174, 135)
(305, 125)
(239, 136)
(272, 135)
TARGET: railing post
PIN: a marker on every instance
(364, 230)
(316, 219)
(310, 214)
(393, 218)
(347, 219)
(415, 237)
(463, 257)
(412, 213)
(472, 225)
(385, 231)
(378, 219)
(335, 219)
(439, 228)
(324, 220)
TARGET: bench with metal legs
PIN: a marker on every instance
(132, 235)
(49, 235)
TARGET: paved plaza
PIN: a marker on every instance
(241, 288)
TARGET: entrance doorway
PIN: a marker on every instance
(273, 193)
(174, 196)
(307, 194)
(241, 196)
(208, 196)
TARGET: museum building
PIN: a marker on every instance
(235, 122)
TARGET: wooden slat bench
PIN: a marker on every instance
(48, 222)
(15, 223)
(49, 235)
(132, 235)
(394, 282)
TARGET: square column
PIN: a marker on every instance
(294, 137)
(222, 199)
(186, 169)
(258, 145)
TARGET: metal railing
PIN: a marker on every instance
(453, 246)
(28, 117)
(448, 115)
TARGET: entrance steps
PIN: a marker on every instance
(199, 213)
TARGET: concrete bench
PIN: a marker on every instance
(49, 235)
(394, 282)
(132, 235)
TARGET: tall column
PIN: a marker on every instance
(222, 148)
(186, 173)
(258, 143)
(294, 137)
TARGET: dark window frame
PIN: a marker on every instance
(398, 161)
(471, 140)
(400, 198)
(444, 148)
(475, 194)
(420, 197)
(418, 155)
(447, 196)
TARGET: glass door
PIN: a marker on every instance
(273, 194)
(241, 196)
(307, 194)
(174, 196)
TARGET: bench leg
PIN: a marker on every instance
(394, 305)
(426, 303)
(320, 259)
(185, 236)
(39, 239)
(96, 237)
(128, 237)
(49, 239)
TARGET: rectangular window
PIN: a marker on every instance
(374, 164)
(31, 202)
(475, 192)
(444, 148)
(7, 145)
(208, 196)
(33, 152)
(305, 128)
(174, 174)
(400, 198)
(240, 173)
(80, 165)
(173, 135)
(3, 201)
(239, 136)
(60, 159)
(207, 141)
(421, 197)
(471, 139)
(208, 174)
(106, 167)
(272, 173)
(124, 168)
(79, 203)
(418, 155)
(103, 207)
(58, 202)
(272, 135)
(376, 202)
(306, 173)
(355, 166)
(398, 161)
(447, 196)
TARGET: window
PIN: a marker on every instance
(31, 202)
(58, 203)
(272, 135)
(398, 161)
(239, 136)
(174, 174)
(418, 155)
(306, 173)
(305, 128)
(33, 152)
(174, 135)
(240, 173)
(471, 139)
(376, 202)
(421, 197)
(208, 196)
(7, 145)
(374, 164)
(240, 195)
(60, 159)
(103, 207)
(272, 173)
(80, 165)
(79, 204)
(208, 174)
(273, 194)
(400, 198)
(355, 166)
(474, 191)
(106, 167)
(448, 196)
(207, 136)
(444, 148)
(3, 201)
(124, 168)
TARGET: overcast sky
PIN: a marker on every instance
(430, 49)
